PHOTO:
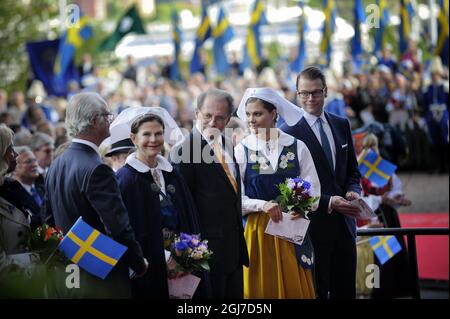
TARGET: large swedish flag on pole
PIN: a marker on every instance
(328, 29)
(73, 39)
(203, 33)
(376, 169)
(253, 48)
(385, 247)
(175, 74)
(443, 32)
(91, 250)
(297, 65)
(406, 15)
(357, 49)
(222, 34)
(384, 22)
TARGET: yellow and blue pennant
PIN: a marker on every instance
(72, 40)
(203, 33)
(253, 48)
(443, 32)
(380, 33)
(297, 65)
(222, 34)
(376, 169)
(406, 15)
(357, 48)
(328, 29)
(175, 74)
(91, 250)
(385, 247)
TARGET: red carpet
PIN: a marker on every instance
(432, 251)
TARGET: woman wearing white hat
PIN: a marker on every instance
(278, 268)
(157, 199)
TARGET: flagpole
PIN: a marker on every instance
(62, 14)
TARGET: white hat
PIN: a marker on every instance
(119, 141)
(287, 110)
(121, 127)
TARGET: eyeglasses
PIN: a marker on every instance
(109, 116)
(315, 94)
(218, 119)
(28, 161)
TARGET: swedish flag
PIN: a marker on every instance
(357, 49)
(175, 74)
(222, 34)
(90, 249)
(385, 247)
(328, 29)
(406, 15)
(73, 39)
(252, 53)
(297, 65)
(203, 33)
(380, 32)
(376, 169)
(443, 32)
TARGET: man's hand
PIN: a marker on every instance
(274, 211)
(145, 271)
(351, 196)
(343, 206)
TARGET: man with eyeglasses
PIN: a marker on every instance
(333, 226)
(78, 183)
(22, 190)
(207, 163)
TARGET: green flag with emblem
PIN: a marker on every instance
(130, 22)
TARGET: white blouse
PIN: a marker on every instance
(272, 151)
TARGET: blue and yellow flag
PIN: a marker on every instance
(376, 169)
(73, 39)
(380, 33)
(297, 65)
(253, 47)
(91, 250)
(406, 15)
(175, 74)
(222, 34)
(203, 33)
(329, 9)
(443, 32)
(357, 49)
(384, 247)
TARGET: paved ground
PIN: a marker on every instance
(428, 192)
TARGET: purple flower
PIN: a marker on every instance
(181, 245)
(185, 237)
(306, 185)
(298, 180)
(291, 184)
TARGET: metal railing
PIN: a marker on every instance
(411, 234)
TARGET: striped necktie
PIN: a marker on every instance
(221, 156)
(325, 144)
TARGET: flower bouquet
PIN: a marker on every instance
(295, 197)
(188, 254)
(45, 240)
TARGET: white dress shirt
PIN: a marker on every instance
(88, 143)
(312, 122)
(272, 150)
(162, 165)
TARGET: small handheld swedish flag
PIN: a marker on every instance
(91, 250)
(376, 169)
(385, 247)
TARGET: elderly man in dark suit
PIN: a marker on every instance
(78, 184)
(206, 161)
(333, 227)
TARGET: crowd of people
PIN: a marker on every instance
(136, 186)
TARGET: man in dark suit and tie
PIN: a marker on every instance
(206, 161)
(333, 227)
(78, 184)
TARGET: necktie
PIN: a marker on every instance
(221, 156)
(37, 198)
(325, 143)
(156, 177)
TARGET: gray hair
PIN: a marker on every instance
(82, 109)
(22, 149)
(40, 139)
(6, 138)
(220, 95)
(23, 137)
